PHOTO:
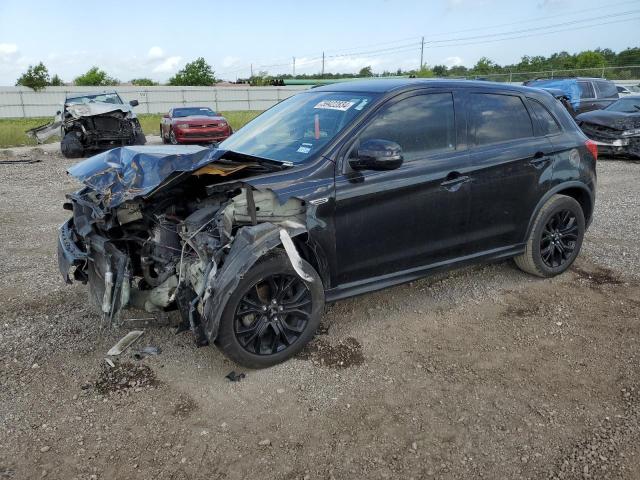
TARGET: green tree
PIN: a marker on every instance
(589, 59)
(196, 73)
(95, 77)
(440, 70)
(484, 66)
(36, 77)
(56, 81)
(365, 72)
(424, 72)
(143, 82)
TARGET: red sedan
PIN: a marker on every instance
(193, 125)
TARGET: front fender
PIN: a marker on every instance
(250, 244)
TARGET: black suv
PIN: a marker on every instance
(334, 192)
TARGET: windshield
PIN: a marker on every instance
(100, 98)
(625, 105)
(297, 128)
(192, 111)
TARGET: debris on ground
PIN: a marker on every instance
(125, 342)
(346, 353)
(146, 351)
(124, 376)
(235, 377)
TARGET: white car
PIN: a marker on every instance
(631, 90)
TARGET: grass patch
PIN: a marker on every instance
(12, 130)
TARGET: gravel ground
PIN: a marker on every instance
(484, 372)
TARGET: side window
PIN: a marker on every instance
(419, 124)
(586, 90)
(606, 89)
(548, 124)
(498, 118)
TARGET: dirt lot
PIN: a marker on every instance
(482, 373)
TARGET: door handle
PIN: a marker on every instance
(454, 179)
(539, 159)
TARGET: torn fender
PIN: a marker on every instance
(250, 244)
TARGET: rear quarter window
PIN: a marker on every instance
(586, 90)
(498, 118)
(606, 89)
(546, 121)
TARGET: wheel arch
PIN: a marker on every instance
(576, 190)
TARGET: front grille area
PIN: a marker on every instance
(598, 132)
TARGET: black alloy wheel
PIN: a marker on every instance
(559, 237)
(273, 314)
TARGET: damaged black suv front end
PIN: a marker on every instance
(163, 228)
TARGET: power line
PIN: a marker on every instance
(451, 42)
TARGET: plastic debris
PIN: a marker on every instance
(125, 342)
(109, 362)
(146, 351)
(235, 377)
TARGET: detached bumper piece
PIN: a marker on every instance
(102, 265)
(70, 255)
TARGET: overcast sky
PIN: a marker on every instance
(131, 39)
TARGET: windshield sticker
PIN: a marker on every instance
(362, 104)
(342, 105)
(305, 148)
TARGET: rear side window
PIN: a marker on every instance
(419, 124)
(548, 124)
(606, 89)
(586, 90)
(498, 118)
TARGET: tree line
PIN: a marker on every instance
(200, 73)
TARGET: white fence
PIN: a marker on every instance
(23, 102)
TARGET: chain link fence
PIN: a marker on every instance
(623, 74)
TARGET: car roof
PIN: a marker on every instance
(396, 84)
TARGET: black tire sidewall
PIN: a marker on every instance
(558, 203)
(70, 146)
(273, 264)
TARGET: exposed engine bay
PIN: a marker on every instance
(183, 245)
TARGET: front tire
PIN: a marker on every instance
(172, 137)
(71, 147)
(555, 239)
(272, 314)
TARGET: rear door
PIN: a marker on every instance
(415, 215)
(508, 164)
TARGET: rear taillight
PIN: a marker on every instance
(592, 147)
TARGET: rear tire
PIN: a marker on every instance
(71, 147)
(251, 318)
(555, 238)
(164, 139)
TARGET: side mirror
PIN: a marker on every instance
(166, 115)
(377, 154)
(134, 103)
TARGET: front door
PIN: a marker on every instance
(417, 214)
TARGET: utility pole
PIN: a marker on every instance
(422, 53)
(294, 66)
(322, 75)
(252, 69)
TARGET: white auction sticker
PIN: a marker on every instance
(342, 105)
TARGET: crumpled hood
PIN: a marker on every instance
(77, 110)
(617, 120)
(125, 173)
